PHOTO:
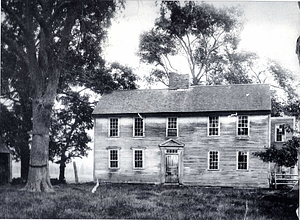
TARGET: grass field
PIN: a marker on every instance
(116, 201)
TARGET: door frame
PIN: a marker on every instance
(171, 145)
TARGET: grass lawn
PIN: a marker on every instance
(120, 201)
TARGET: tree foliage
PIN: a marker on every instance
(206, 36)
(285, 156)
(71, 121)
(69, 126)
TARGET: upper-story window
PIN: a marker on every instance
(242, 160)
(213, 126)
(243, 125)
(138, 127)
(172, 127)
(213, 160)
(279, 133)
(113, 127)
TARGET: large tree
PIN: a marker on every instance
(46, 37)
(206, 36)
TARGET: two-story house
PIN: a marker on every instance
(193, 135)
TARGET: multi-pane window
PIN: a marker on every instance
(138, 128)
(242, 160)
(243, 125)
(213, 163)
(114, 158)
(279, 133)
(172, 127)
(138, 158)
(113, 127)
(213, 126)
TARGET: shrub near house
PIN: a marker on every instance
(193, 135)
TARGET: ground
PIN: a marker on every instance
(124, 201)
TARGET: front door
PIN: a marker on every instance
(172, 168)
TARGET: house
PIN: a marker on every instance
(192, 135)
(5, 164)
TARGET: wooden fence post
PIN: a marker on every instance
(75, 172)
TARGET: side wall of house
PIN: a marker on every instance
(193, 132)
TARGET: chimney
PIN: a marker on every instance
(179, 81)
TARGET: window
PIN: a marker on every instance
(138, 127)
(113, 158)
(213, 160)
(113, 127)
(242, 160)
(213, 126)
(138, 158)
(279, 133)
(171, 151)
(243, 126)
(172, 127)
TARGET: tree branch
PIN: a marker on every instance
(22, 55)
(19, 21)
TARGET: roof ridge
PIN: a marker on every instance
(249, 84)
(192, 86)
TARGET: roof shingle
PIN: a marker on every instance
(242, 97)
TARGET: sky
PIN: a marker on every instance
(270, 29)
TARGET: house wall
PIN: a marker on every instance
(193, 132)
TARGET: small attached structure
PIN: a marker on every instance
(282, 131)
(5, 164)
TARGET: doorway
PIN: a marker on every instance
(172, 168)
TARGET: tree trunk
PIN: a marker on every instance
(38, 176)
(62, 167)
(25, 155)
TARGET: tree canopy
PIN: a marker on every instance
(206, 36)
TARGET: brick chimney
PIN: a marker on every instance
(179, 81)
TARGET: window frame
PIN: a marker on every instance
(167, 127)
(134, 160)
(237, 160)
(283, 136)
(109, 127)
(208, 126)
(209, 161)
(143, 124)
(110, 160)
(248, 126)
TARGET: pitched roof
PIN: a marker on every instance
(172, 143)
(242, 97)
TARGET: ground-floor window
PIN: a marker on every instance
(213, 160)
(138, 158)
(242, 160)
(114, 158)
